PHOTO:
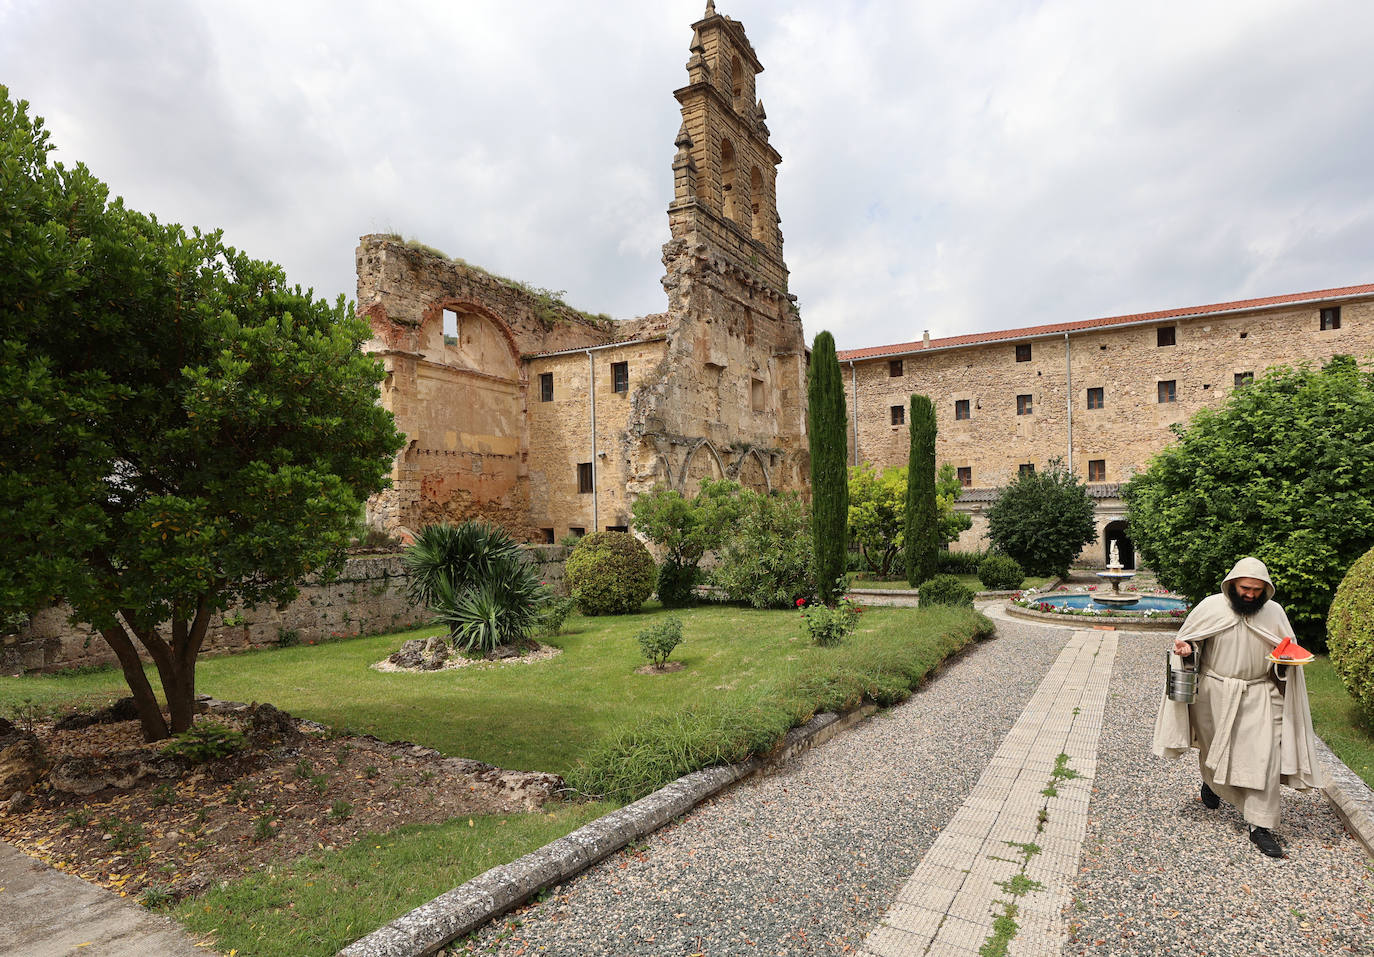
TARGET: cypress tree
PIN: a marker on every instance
(922, 534)
(827, 433)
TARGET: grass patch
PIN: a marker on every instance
(321, 903)
(1339, 720)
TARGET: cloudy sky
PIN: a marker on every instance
(951, 165)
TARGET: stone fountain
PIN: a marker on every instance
(1116, 574)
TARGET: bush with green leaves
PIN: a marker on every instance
(553, 616)
(610, 573)
(1043, 520)
(475, 578)
(686, 529)
(946, 590)
(205, 741)
(766, 561)
(1001, 573)
(659, 639)
(922, 513)
(827, 430)
(960, 563)
(1282, 471)
(1350, 632)
(829, 625)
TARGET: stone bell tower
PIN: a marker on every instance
(734, 405)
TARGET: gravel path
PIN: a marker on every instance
(805, 861)
(1160, 874)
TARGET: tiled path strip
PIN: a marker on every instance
(1016, 840)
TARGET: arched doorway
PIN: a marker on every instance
(1117, 532)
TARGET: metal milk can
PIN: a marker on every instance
(1180, 681)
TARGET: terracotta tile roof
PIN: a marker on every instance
(1026, 332)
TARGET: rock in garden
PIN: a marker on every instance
(6, 728)
(268, 725)
(19, 802)
(122, 769)
(122, 710)
(410, 654)
(21, 762)
(434, 655)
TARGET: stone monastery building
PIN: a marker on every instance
(548, 421)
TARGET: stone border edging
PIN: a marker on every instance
(1349, 796)
(1089, 621)
(430, 927)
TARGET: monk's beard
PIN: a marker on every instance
(1246, 606)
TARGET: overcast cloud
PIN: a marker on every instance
(950, 165)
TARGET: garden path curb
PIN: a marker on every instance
(1351, 798)
(428, 928)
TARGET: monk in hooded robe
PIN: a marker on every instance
(1250, 721)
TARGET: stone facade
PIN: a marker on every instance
(1101, 394)
(548, 422)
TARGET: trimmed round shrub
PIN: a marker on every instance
(1001, 573)
(946, 590)
(610, 573)
(1350, 632)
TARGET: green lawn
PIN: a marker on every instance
(1337, 719)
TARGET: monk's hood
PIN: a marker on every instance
(1251, 568)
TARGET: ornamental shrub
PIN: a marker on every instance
(922, 531)
(1281, 472)
(205, 741)
(1350, 632)
(766, 561)
(610, 573)
(1001, 573)
(1043, 520)
(658, 641)
(827, 435)
(676, 583)
(959, 563)
(946, 590)
(826, 625)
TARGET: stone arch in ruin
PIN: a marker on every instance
(702, 462)
(752, 472)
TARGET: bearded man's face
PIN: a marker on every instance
(1247, 595)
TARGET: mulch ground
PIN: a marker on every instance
(219, 820)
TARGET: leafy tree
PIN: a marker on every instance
(1284, 471)
(686, 528)
(1043, 520)
(877, 514)
(827, 434)
(183, 432)
(922, 532)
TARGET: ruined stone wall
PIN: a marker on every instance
(1126, 363)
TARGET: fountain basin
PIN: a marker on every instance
(1156, 603)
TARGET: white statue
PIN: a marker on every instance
(1114, 561)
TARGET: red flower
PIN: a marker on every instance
(800, 602)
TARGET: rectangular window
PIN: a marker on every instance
(546, 387)
(1097, 470)
(576, 532)
(1095, 398)
(894, 368)
(965, 476)
(620, 376)
(961, 409)
(548, 535)
(1023, 405)
(1168, 391)
(1025, 468)
(617, 528)
(584, 478)
(1331, 318)
(756, 395)
(1244, 378)
(899, 415)
(1165, 336)
(1023, 352)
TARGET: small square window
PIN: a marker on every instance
(576, 532)
(894, 368)
(620, 376)
(1168, 390)
(1331, 318)
(584, 478)
(1097, 470)
(1025, 468)
(1095, 398)
(548, 535)
(965, 474)
(546, 387)
(1023, 352)
(1244, 378)
(1165, 336)
(1023, 405)
(899, 415)
(961, 410)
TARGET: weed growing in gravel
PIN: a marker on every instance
(79, 817)
(263, 829)
(156, 896)
(163, 795)
(341, 811)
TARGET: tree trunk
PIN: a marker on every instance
(149, 712)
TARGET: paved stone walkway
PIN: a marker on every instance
(1012, 849)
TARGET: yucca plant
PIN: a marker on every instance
(455, 557)
(502, 610)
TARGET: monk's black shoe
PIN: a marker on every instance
(1210, 800)
(1261, 838)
